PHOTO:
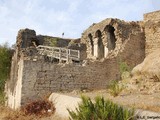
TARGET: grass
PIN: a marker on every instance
(2, 98)
(114, 88)
(123, 67)
(9, 114)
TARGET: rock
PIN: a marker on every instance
(150, 67)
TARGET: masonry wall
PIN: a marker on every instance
(152, 31)
(133, 52)
(130, 40)
(126, 34)
(40, 78)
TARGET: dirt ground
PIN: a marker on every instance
(135, 99)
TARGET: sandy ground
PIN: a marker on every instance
(64, 102)
(138, 100)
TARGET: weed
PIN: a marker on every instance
(115, 88)
(124, 67)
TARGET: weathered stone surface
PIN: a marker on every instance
(152, 31)
(111, 37)
(25, 38)
(150, 67)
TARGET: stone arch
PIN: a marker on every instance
(100, 46)
(111, 39)
(91, 43)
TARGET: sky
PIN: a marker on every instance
(53, 17)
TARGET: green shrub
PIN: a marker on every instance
(114, 88)
(100, 110)
(5, 63)
(124, 67)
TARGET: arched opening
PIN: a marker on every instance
(100, 47)
(91, 43)
(111, 40)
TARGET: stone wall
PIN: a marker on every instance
(133, 52)
(152, 31)
(129, 41)
(40, 78)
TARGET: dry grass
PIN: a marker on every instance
(146, 107)
(36, 110)
(9, 114)
(39, 108)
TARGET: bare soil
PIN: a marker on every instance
(134, 99)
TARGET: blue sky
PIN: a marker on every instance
(53, 17)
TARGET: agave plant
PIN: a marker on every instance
(100, 109)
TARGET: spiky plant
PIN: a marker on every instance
(100, 110)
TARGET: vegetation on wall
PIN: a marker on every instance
(100, 110)
(51, 41)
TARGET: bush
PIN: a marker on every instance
(5, 63)
(100, 110)
(124, 67)
(39, 107)
(114, 88)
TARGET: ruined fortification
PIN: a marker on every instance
(38, 67)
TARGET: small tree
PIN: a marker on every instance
(5, 63)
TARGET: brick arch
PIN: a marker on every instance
(111, 39)
(90, 37)
(100, 46)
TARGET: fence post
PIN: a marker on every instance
(67, 55)
(60, 55)
(78, 54)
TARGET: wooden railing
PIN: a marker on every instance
(59, 53)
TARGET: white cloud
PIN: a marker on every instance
(69, 16)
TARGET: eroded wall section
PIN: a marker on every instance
(152, 31)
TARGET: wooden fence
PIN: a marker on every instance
(59, 53)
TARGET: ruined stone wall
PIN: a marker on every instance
(33, 77)
(129, 44)
(40, 78)
(152, 31)
(133, 52)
